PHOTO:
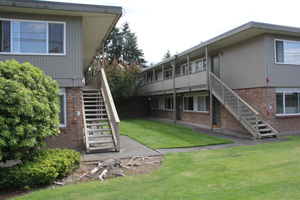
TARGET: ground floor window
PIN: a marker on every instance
(155, 103)
(63, 110)
(287, 103)
(188, 103)
(198, 103)
(169, 103)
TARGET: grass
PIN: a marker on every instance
(268, 171)
(160, 135)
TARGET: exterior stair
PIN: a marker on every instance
(98, 130)
(242, 111)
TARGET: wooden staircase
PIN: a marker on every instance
(98, 134)
(242, 111)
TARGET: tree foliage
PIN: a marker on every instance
(122, 46)
(122, 79)
(29, 108)
(167, 55)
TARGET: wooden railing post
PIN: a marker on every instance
(239, 110)
(223, 94)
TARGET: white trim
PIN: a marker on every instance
(47, 37)
(171, 102)
(65, 109)
(275, 50)
(287, 90)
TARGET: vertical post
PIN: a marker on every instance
(256, 121)
(146, 78)
(98, 64)
(207, 68)
(174, 94)
(239, 110)
(211, 107)
(153, 76)
(163, 78)
(103, 55)
(188, 68)
(223, 94)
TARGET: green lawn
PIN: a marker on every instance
(268, 171)
(160, 135)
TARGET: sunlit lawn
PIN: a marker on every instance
(268, 171)
(158, 135)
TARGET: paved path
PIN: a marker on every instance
(131, 148)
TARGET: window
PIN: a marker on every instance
(155, 103)
(184, 69)
(287, 103)
(287, 52)
(169, 103)
(63, 110)
(32, 37)
(189, 103)
(168, 74)
(200, 65)
(202, 103)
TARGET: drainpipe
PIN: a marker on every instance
(174, 91)
(268, 78)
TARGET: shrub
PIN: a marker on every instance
(46, 166)
(29, 107)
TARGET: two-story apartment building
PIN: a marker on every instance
(246, 79)
(61, 39)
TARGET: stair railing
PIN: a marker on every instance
(112, 114)
(87, 145)
(235, 104)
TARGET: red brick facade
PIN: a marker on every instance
(71, 137)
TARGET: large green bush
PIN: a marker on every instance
(29, 107)
(46, 166)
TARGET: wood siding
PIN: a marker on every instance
(61, 67)
(243, 65)
(281, 75)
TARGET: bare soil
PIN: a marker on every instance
(126, 167)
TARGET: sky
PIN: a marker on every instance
(174, 25)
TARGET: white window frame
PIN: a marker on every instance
(184, 70)
(202, 61)
(171, 103)
(205, 109)
(158, 99)
(284, 107)
(64, 94)
(195, 103)
(275, 52)
(47, 37)
(170, 72)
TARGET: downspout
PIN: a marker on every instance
(268, 78)
(174, 91)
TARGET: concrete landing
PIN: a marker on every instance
(129, 149)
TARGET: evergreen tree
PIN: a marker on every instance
(167, 55)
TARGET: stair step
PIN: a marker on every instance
(97, 114)
(93, 110)
(89, 90)
(101, 142)
(100, 148)
(264, 130)
(98, 93)
(99, 97)
(262, 125)
(94, 105)
(101, 124)
(98, 130)
(93, 101)
(99, 136)
(96, 119)
(254, 122)
(268, 135)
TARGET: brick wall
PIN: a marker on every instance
(258, 99)
(71, 137)
(167, 114)
(133, 107)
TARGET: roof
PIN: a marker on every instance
(97, 20)
(243, 32)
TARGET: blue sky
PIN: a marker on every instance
(178, 25)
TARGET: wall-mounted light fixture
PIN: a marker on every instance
(221, 53)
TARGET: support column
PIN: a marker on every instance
(174, 94)
(146, 77)
(103, 55)
(188, 68)
(163, 87)
(153, 76)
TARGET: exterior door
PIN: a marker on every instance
(215, 68)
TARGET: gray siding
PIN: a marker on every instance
(243, 65)
(281, 75)
(60, 67)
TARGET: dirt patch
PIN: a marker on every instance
(125, 167)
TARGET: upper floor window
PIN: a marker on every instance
(200, 65)
(184, 69)
(287, 52)
(168, 74)
(32, 37)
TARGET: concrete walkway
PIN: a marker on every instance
(131, 148)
